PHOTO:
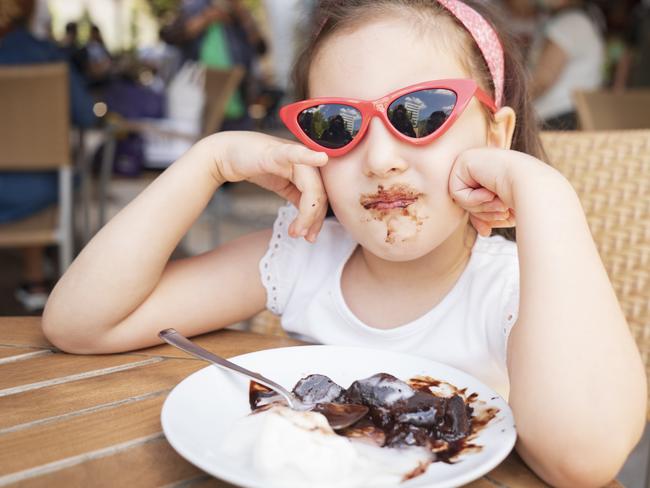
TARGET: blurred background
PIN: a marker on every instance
(97, 97)
(147, 78)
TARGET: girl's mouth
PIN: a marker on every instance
(395, 197)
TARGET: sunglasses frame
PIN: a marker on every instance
(464, 89)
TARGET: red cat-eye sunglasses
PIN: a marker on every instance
(417, 114)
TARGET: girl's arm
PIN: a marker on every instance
(121, 290)
(548, 69)
(578, 387)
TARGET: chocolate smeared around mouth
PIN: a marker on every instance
(395, 197)
(394, 207)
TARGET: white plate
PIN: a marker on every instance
(201, 408)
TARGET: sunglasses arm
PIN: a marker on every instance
(485, 99)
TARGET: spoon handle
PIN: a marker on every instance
(174, 338)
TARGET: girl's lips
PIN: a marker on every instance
(397, 196)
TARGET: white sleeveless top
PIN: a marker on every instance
(468, 329)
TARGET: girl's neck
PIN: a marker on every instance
(446, 261)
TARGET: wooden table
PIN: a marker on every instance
(72, 421)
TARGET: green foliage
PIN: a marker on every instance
(319, 124)
(163, 8)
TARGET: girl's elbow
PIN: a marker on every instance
(582, 465)
(581, 470)
(57, 331)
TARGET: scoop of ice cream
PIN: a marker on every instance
(295, 449)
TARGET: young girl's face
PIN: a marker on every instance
(390, 195)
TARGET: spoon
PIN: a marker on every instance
(339, 415)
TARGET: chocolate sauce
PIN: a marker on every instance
(396, 193)
(400, 414)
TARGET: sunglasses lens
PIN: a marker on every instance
(330, 125)
(422, 112)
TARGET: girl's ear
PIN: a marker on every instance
(502, 128)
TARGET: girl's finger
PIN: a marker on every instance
(317, 226)
(483, 228)
(292, 194)
(495, 205)
(503, 224)
(492, 216)
(312, 198)
(472, 197)
(284, 156)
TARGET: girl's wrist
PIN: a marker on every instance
(531, 178)
(210, 152)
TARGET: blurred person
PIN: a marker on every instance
(99, 61)
(220, 34)
(523, 20)
(567, 55)
(639, 40)
(616, 48)
(23, 194)
(73, 51)
(41, 24)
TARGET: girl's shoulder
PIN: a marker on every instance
(291, 263)
(494, 263)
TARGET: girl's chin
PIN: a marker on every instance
(404, 239)
(404, 245)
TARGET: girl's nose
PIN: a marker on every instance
(381, 156)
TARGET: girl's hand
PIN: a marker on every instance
(481, 183)
(284, 167)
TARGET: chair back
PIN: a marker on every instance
(611, 174)
(220, 85)
(34, 117)
(607, 110)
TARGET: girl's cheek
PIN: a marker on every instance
(337, 177)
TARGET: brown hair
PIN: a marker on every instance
(333, 16)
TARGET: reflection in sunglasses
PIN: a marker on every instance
(331, 125)
(417, 114)
(421, 113)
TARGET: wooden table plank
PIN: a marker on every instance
(206, 481)
(61, 366)
(513, 472)
(153, 463)
(16, 352)
(226, 343)
(22, 331)
(97, 392)
(482, 483)
(82, 436)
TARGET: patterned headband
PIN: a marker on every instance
(484, 35)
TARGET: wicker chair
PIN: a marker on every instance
(611, 173)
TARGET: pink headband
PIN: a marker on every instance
(485, 37)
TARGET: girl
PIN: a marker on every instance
(402, 267)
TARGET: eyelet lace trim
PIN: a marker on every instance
(269, 265)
